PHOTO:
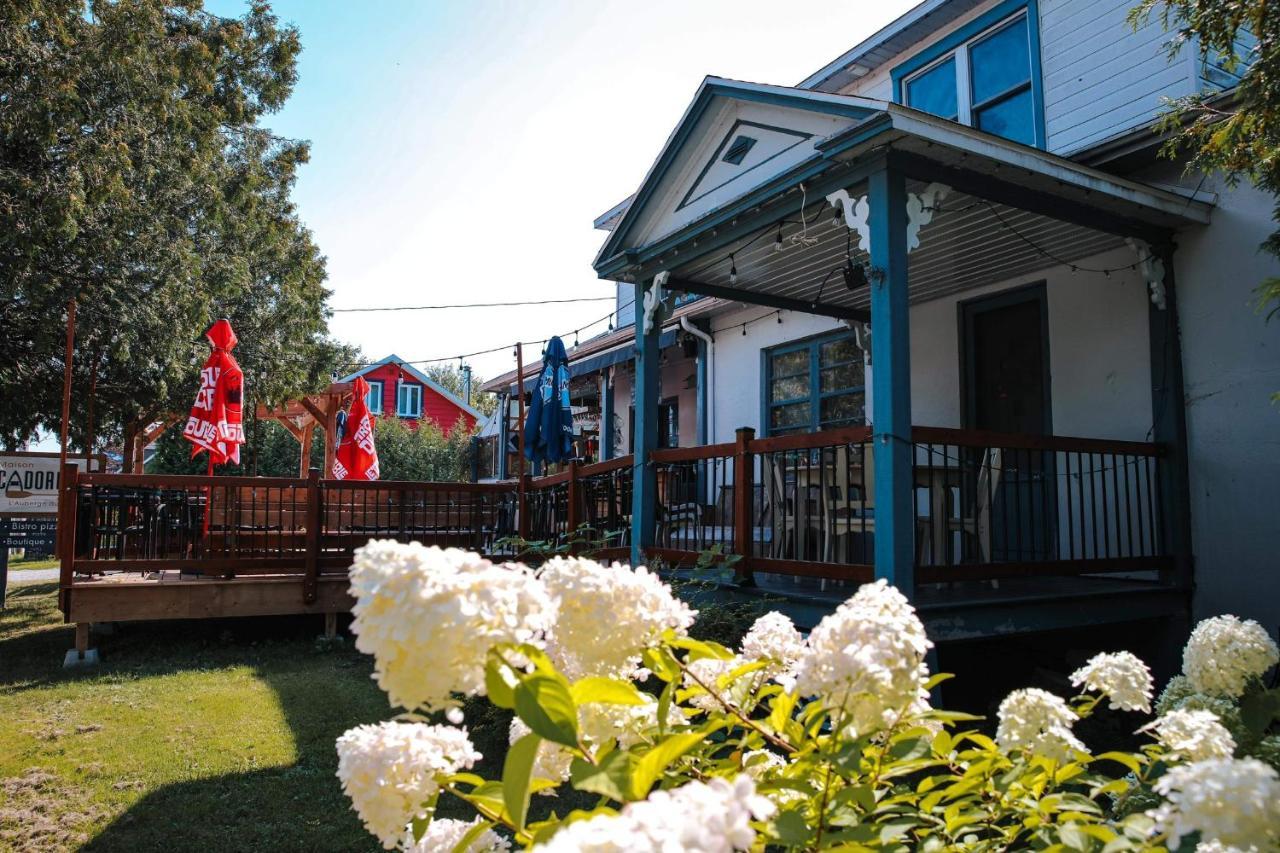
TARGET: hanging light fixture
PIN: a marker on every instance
(777, 241)
(733, 270)
(855, 276)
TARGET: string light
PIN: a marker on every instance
(733, 270)
(777, 242)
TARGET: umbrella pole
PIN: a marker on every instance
(208, 495)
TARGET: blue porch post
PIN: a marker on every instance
(606, 415)
(891, 380)
(701, 395)
(644, 486)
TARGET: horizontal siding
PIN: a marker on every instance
(1101, 78)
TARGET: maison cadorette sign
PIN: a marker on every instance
(29, 483)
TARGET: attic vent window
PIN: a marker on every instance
(738, 150)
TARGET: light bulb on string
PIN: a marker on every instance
(744, 330)
(777, 241)
(733, 270)
(779, 318)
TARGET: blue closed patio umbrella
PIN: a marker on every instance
(548, 426)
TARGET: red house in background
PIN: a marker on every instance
(401, 390)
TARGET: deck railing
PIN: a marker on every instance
(987, 506)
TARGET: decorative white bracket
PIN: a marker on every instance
(857, 213)
(862, 337)
(920, 210)
(1151, 268)
(653, 300)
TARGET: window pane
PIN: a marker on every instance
(840, 378)
(835, 352)
(1000, 62)
(787, 417)
(935, 90)
(792, 388)
(1010, 118)
(791, 363)
(843, 410)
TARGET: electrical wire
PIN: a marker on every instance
(474, 305)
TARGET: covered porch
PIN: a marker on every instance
(868, 216)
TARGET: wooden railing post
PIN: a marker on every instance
(573, 515)
(522, 506)
(315, 516)
(743, 489)
(66, 538)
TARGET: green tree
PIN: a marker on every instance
(136, 178)
(422, 454)
(452, 378)
(1234, 132)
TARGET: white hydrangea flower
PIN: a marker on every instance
(429, 617)
(1193, 735)
(699, 817)
(867, 658)
(1231, 801)
(714, 673)
(1225, 653)
(607, 615)
(444, 836)
(1120, 676)
(773, 637)
(389, 770)
(1039, 722)
(1219, 847)
(760, 762)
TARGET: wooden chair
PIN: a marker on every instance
(848, 506)
(977, 525)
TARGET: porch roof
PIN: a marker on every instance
(1013, 208)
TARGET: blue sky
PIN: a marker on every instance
(461, 150)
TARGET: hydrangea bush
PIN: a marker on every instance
(824, 742)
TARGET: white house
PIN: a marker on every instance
(964, 223)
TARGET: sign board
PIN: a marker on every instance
(29, 482)
(36, 535)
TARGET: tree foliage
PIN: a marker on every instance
(136, 178)
(422, 454)
(1236, 133)
(451, 378)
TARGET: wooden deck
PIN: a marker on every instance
(1014, 532)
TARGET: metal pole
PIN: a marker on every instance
(520, 409)
(66, 379)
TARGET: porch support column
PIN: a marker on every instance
(504, 434)
(606, 415)
(644, 487)
(1169, 425)
(891, 380)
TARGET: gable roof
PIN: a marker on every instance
(712, 92)
(417, 374)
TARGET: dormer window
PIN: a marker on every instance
(984, 82)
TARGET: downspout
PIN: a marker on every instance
(704, 429)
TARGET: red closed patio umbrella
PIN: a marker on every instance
(215, 424)
(356, 457)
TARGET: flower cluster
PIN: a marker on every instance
(1230, 801)
(429, 617)
(1120, 676)
(1038, 722)
(867, 658)
(1193, 735)
(446, 834)
(699, 817)
(774, 638)
(1225, 653)
(389, 771)
(607, 615)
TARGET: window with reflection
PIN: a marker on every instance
(985, 82)
(815, 384)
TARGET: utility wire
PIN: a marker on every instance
(474, 305)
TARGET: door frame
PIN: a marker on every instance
(968, 310)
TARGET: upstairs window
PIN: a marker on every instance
(815, 384)
(984, 82)
(409, 400)
(374, 400)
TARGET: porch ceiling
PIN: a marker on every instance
(970, 242)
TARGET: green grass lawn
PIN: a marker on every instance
(27, 565)
(199, 735)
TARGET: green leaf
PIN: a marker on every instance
(698, 649)
(500, 692)
(792, 828)
(664, 706)
(606, 691)
(1124, 758)
(464, 843)
(654, 762)
(546, 706)
(610, 778)
(517, 772)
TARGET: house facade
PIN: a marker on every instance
(400, 390)
(964, 223)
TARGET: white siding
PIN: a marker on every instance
(1101, 78)
(624, 305)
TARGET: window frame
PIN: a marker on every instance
(376, 391)
(958, 43)
(815, 396)
(401, 411)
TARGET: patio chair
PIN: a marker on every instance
(976, 525)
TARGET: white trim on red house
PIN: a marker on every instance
(421, 377)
